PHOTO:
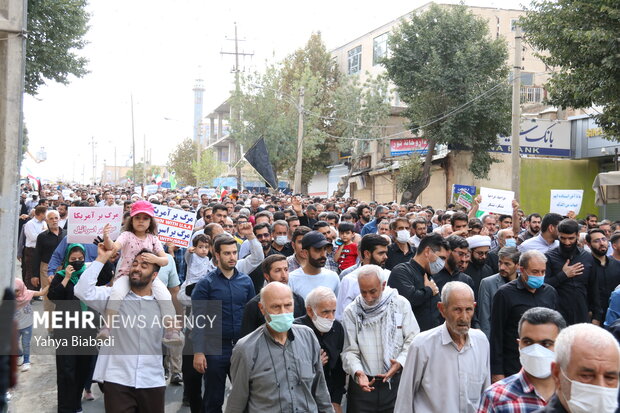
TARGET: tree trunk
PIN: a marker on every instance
(415, 189)
(344, 181)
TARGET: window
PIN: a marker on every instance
(355, 60)
(527, 78)
(532, 94)
(379, 48)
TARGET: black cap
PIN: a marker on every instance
(314, 239)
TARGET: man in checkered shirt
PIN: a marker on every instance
(533, 386)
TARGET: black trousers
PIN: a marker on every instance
(123, 399)
(71, 374)
(381, 400)
(192, 380)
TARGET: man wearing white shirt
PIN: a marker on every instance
(131, 379)
(32, 229)
(373, 250)
(447, 367)
(547, 238)
(312, 274)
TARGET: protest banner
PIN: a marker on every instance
(460, 191)
(150, 189)
(85, 224)
(565, 200)
(174, 225)
(496, 200)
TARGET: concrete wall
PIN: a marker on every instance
(435, 192)
(318, 185)
(384, 188)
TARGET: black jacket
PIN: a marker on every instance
(395, 256)
(477, 273)
(332, 343)
(493, 259)
(253, 318)
(408, 279)
(578, 295)
(608, 278)
(509, 303)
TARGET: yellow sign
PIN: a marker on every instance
(592, 132)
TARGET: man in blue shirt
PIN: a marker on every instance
(380, 213)
(233, 289)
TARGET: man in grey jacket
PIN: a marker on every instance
(281, 355)
(508, 265)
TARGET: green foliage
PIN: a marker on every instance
(150, 171)
(269, 107)
(441, 60)
(409, 172)
(581, 40)
(180, 161)
(56, 31)
(208, 169)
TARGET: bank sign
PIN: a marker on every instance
(540, 137)
(407, 146)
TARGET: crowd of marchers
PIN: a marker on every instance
(330, 304)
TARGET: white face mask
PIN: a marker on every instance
(281, 240)
(588, 398)
(323, 324)
(402, 236)
(536, 360)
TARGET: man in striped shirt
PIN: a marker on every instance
(533, 386)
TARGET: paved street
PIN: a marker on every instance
(36, 389)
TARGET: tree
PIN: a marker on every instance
(581, 40)
(269, 107)
(207, 169)
(453, 77)
(56, 31)
(180, 161)
(362, 113)
(150, 171)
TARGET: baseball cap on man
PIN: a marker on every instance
(144, 207)
(314, 239)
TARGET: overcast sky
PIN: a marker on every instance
(155, 50)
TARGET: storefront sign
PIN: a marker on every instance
(540, 137)
(407, 146)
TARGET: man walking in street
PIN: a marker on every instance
(379, 328)
(447, 367)
(234, 290)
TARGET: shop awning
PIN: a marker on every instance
(607, 188)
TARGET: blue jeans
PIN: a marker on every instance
(26, 335)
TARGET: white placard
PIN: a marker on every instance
(565, 200)
(150, 189)
(496, 200)
(86, 223)
(174, 225)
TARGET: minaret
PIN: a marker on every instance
(198, 94)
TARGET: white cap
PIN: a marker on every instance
(479, 241)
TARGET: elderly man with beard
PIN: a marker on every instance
(570, 270)
(379, 328)
(373, 250)
(607, 269)
(478, 269)
(447, 368)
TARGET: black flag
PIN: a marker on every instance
(258, 157)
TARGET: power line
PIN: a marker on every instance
(491, 91)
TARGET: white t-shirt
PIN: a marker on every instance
(302, 283)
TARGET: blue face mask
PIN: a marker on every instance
(511, 242)
(534, 281)
(281, 322)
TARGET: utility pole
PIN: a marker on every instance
(237, 110)
(516, 114)
(93, 144)
(12, 63)
(133, 146)
(300, 140)
(144, 163)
